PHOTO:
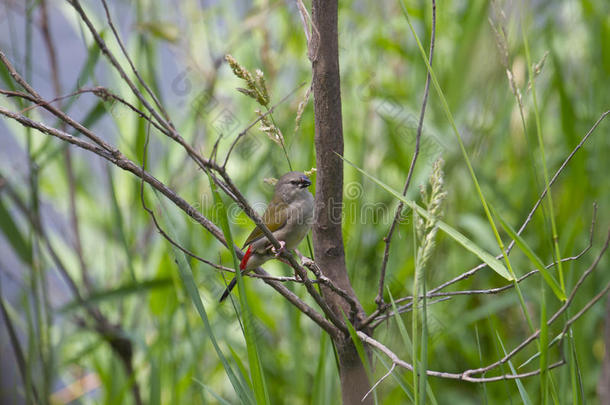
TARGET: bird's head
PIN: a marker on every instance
(292, 185)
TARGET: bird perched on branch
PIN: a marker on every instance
(288, 216)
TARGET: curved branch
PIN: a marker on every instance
(118, 159)
(388, 239)
(474, 270)
(375, 320)
(440, 374)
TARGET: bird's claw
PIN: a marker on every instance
(279, 251)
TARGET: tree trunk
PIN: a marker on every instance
(327, 233)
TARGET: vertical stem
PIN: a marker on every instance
(545, 171)
(327, 233)
(415, 316)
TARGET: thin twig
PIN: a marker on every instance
(552, 319)
(269, 111)
(466, 375)
(386, 375)
(133, 68)
(114, 62)
(49, 107)
(388, 239)
(171, 131)
(182, 248)
(310, 30)
(98, 91)
(228, 186)
(74, 222)
(322, 279)
(118, 159)
(302, 273)
(454, 376)
(376, 318)
(474, 270)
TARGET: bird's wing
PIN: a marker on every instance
(275, 217)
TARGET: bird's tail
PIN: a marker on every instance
(242, 267)
(244, 260)
(230, 287)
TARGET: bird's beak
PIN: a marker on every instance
(305, 182)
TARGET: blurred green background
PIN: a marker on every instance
(179, 48)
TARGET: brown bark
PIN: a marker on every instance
(327, 232)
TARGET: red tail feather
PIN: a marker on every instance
(244, 261)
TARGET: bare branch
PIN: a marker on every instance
(170, 130)
(116, 157)
(114, 62)
(472, 271)
(49, 107)
(440, 374)
(182, 248)
(467, 374)
(133, 68)
(245, 206)
(552, 319)
(245, 131)
(388, 239)
(74, 222)
(375, 319)
(386, 375)
(481, 266)
(322, 279)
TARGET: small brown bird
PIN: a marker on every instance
(288, 216)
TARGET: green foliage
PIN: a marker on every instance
(189, 349)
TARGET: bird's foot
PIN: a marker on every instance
(307, 262)
(279, 251)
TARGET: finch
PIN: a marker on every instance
(288, 216)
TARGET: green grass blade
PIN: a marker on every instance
(578, 390)
(361, 353)
(240, 366)
(186, 275)
(97, 297)
(544, 348)
(522, 391)
(483, 386)
(423, 383)
(535, 356)
(407, 341)
(490, 260)
(415, 350)
(549, 196)
(458, 137)
(13, 235)
(401, 324)
(119, 224)
(154, 381)
(320, 395)
(206, 388)
(548, 278)
(256, 367)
